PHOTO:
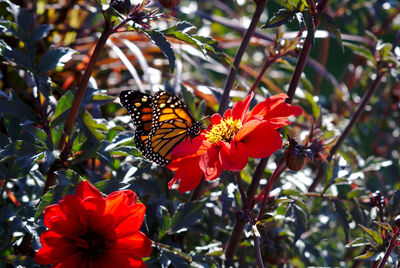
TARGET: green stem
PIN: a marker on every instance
(260, 6)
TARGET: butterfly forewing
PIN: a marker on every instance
(139, 106)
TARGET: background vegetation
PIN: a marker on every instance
(325, 214)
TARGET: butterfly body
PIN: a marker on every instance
(162, 122)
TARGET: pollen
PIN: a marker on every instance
(224, 131)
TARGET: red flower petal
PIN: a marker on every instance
(240, 108)
(55, 248)
(74, 260)
(132, 222)
(189, 148)
(262, 141)
(136, 245)
(228, 113)
(275, 110)
(215, 119)
(233, 156)
(209, 164)
(187, 170)
(86, 189)
(94, 210)
(120, 200)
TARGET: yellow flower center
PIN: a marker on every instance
(224, 131)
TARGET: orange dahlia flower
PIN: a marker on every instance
(230, 140)
(88, 230)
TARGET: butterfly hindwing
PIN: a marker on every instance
(172, 123)
(139, 106)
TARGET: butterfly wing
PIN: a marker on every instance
(139, 106)
(171, 124)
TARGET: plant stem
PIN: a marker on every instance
(356, 116)
(268, 62)
(260, 6)
(236, 234)
(241, 190)
(73, 112)
(258, 250)
(392, 245)
(278, 170)
(301, 62)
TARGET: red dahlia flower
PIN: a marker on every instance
(231, 140)
(87, 230)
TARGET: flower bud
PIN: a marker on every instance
(169, 3)
(297, 156)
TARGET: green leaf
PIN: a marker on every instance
(159, 40)
(282, 16)
(188, 39)
(362, 51)
(18, 108)
(109, 186)
(165, 222)
(182, 26)
(22, 18)
(93, 126)
(186, 215)
(341, 210)
(373, 234)
(63, 105)
(300, 221)
(54, 58)
(15, 55)
(332, 27)
(309, 21)
(289, 4)
(367, 255)
(40, 136)
(384, 225)
(314, 106)
(40, 32)
(11, 27)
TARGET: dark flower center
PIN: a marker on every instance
(95, 244)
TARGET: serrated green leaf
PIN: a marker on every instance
(332, 27)
(54, 58)
(161, 41)
(282, 16)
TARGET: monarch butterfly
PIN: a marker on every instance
(162, 121)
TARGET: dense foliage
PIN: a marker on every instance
(328, 195)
